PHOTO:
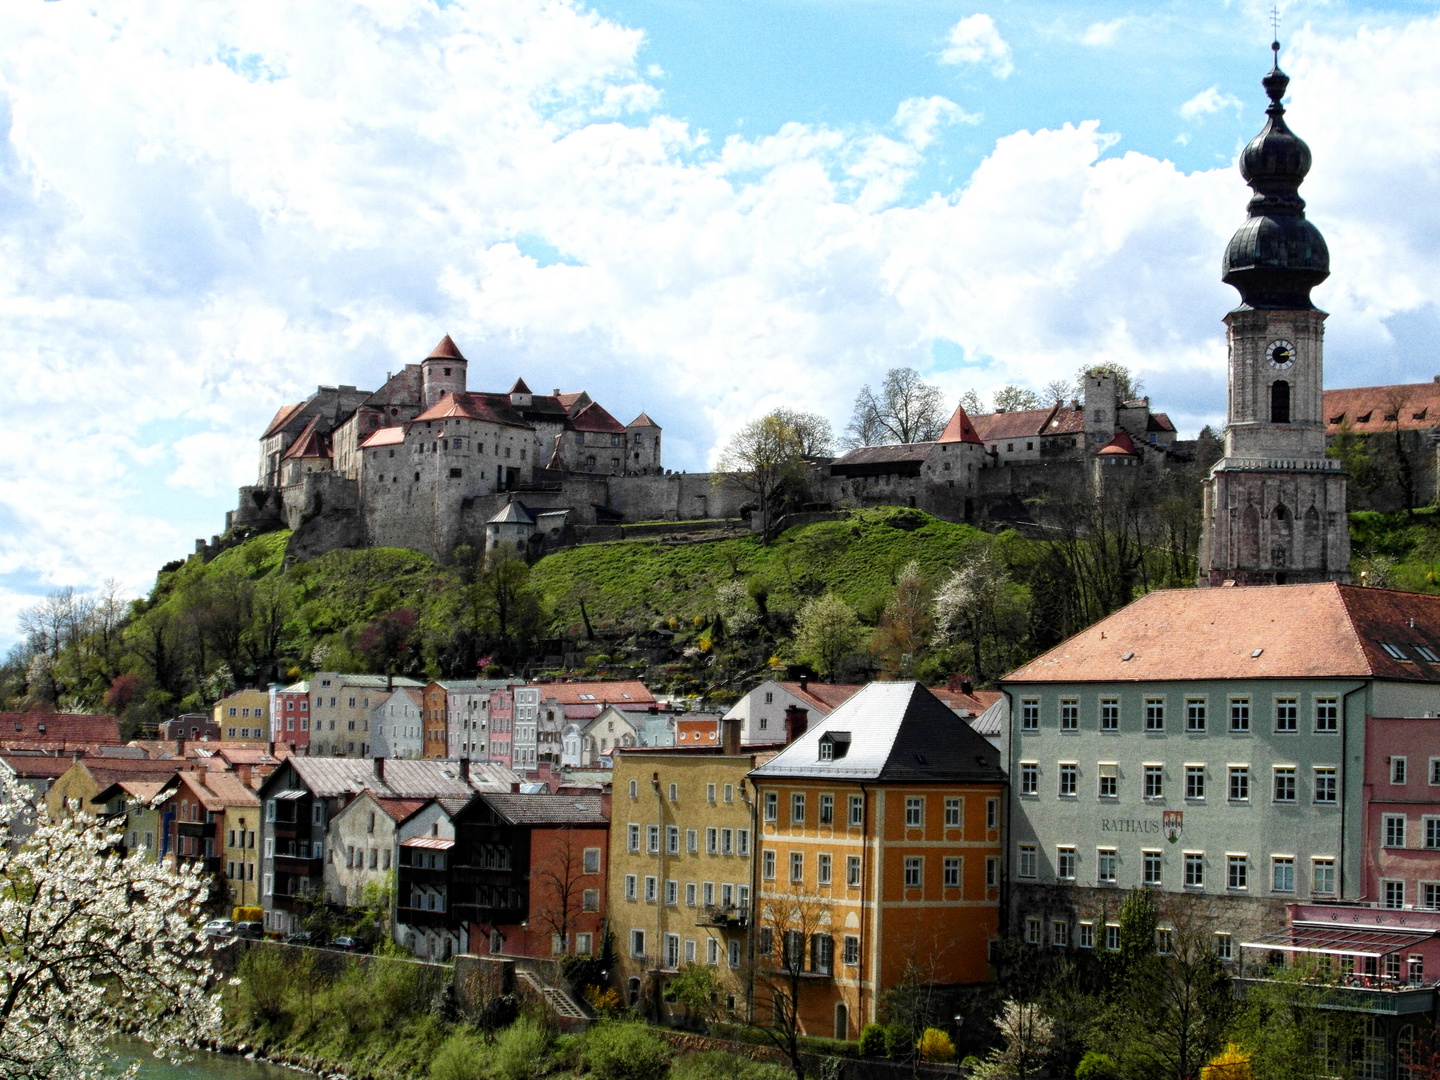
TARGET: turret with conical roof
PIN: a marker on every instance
(442, 372)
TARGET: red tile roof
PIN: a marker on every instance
(17, 728)
(492, 408)
(445, 350)
(309, 443)
(573, 402)
(1158, 421)
(594, 418)
(1120, 446)
(1252, 632)
(521, 388)
(385, 436)
(400, 809)
(975, 703)
(1013, 425)
(642, 421)
(619, 692)
(282, 418)
(1411, 406)
(823, 697)
(959, 429)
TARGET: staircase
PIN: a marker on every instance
(562, 1004)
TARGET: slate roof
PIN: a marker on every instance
(330, 777)
(1300, 631)
(512, 513)
(899, 732)
(520, 809)
(1411, 406)
(69, 727)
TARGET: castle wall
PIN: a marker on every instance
(323, 513)
(677, 497)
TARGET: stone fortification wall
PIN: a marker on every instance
(676, 497)
(323, 513)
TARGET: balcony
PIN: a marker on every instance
(724, 916)
(414, 916)
(200, 829)
(1365, 995)
(294, 864)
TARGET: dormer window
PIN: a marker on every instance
(834, 745)
(1394, 651)
(1427, 653)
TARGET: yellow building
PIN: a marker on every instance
(240, 839)
(74, 790)
(880, 847)
(682, 837)
(244, 716)
(126, 805)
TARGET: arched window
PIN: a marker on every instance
(1280, 402)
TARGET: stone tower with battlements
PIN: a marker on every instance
(1275, 504)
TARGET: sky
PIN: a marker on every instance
(702, 210)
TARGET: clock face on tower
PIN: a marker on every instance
(1281, 354)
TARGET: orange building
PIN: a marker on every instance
(880, 847)
(436, 716)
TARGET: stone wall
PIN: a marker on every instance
(323, 514)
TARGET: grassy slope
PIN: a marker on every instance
(1399, 550)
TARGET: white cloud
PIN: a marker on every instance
(1103, 33)
(209, 209)
(975, 40)
(1208, 101)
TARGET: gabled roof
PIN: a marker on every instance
(17, 728)
(617, 692)
(227, 789)
(1158, 421)
(445, 350)
(491, 408)
(593, 417)
(891, 452)
(1252, 632)
(385, 436)
(643, 421)
(525, 809)
(891, 731)
(330, 777)
(309, 443)
(959, 429)
(282, 417)
(1013, 425)
(1410, 406)
(573, 403)
(974, 703)
(822, 697)
(37, 766)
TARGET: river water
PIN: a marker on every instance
(205, 1066)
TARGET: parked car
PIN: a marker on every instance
(220, 927)
(348, 944)
(252, 930)
(303, 937)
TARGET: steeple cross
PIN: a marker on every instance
(1275, 33)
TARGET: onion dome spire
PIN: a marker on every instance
(1277, 256)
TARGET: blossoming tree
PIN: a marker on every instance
(91, 942)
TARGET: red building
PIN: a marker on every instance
(1402, 812)
(290, 721)
(502, 726)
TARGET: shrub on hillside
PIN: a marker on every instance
(520, 1051)
(872, 1041)
(718, 1065)
(1096, 1066)
(625, 1051)
(463, 1056)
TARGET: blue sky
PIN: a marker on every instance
(701, 210)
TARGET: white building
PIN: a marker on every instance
(397, 724)
(762, 710)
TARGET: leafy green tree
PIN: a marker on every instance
(1014, 398)
(826, 633)
(768, 458)
(1286, 1029)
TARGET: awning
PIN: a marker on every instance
(433, 842)
(292, 794)
(1317, 937)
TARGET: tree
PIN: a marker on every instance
(906, 410)
(557, 886)
(1015, 399)
(971, 403)
(767, 458)
(904, 629)
(980, 605)
(1127, 387)
(93, 942)
(1058, 392)
(1286, 1031)
(792, 925)
(826, 632)
(1029, 1038)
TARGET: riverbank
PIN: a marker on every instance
(215, 1064)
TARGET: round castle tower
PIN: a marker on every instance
(442, 372)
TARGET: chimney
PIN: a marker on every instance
(389, 682)
(465, 769)
(966, 686)
(605, 803)
(804, 683)
(514, 787)
(796, 721)
(179, 747)
(379, 769)
(730, 736)
(243, 772)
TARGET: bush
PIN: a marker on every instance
(520, 1051)
(872, 1041)
(718, 1065)
(899, 1041)
(462, 1056)
(1096, 1066)
(935, 1045)
(625, 1051)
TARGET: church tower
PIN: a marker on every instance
(1275, 504)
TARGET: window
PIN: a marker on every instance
(914, 812)
(1032, 931)
(1394, 829)
(1059, 934)
(1030, 714)
(954, 813)
(630, 883)
(1028, 860)
(852, 870)
(712, 841)
(708, 894)
(1085, 935)
(690, 893)
(1393, 893)
(634, 788)
(827, 809)
(1164, 941)
(1432, 833)
(727, 841)
(1195, 715)
(1397, 770)
(1284, 783)
(674, 793)
(1287, 713)
(769, 697)
(1325, 790)
(1105, 865)
(822, 869)
(692, 840)
(734, 962)
(1327, 715)
(1324, 876)
(952, 873)
(767, 865)
(1150, 874)
(1239, 783)
(709, 792)
(914, 870)
(852, 951)
(1224, 947)
(1069, 714)
(672, 893)
(797, 867)
(1430, 895)
(652, 888)
(772, 803)
(1195, 869)
(1154, 781)
(1154, 714)
(672, 839)
(1395, 652)
(1065, 863)
(1110, 714)
(857, 811)
(1282, 873)
(742, 843)
(652, 833)
(1240, 714)
(1029, 778)
(1435, 770)
(797, 808)
(1426, 653)
(1069, 778)
(1194, 781)
(637, 942)
(992, 813)
(1109, 780)
(1237, 872)
(1112, 937)
(992, 871)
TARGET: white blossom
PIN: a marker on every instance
(93, 942)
